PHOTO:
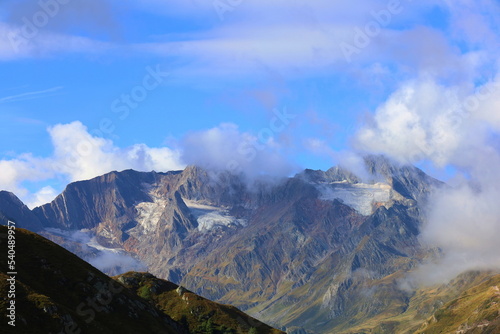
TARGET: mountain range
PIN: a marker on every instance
(319, 252)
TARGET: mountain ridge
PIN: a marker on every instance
(306, 252)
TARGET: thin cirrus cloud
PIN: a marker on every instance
(30, 95)
(14, 46)
(301, 37)
(304, 39)
(308, 36)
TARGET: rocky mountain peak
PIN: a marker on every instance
(12, 208)
(407, 180)
(334, 174)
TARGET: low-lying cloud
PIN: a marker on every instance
(449, 126)
(113, 263)
(226, 148)
(109, 261)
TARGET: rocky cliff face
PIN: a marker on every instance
(313, 251)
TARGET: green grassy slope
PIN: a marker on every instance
(467, 304)
(201, 315)
(57, 292)
(477, 310)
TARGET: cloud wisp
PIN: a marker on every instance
(449, 126)
(111, 261)
(30, 95)
(78, 155)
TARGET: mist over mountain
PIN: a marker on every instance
(457, 127)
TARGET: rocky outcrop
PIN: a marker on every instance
(86, 204)
(409, 181)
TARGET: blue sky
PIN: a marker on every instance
(92, 86)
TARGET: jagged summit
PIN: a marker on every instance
(12, 208)
(334, 174)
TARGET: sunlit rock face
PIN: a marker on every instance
(301, 250)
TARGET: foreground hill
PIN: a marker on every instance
(57, 292)
(200, 315)
(468, 304)
(476, 310)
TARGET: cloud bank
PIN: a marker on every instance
(449, 126)
(108, 260)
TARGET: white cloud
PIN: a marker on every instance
(23, 168)
(416, 122)
(115, 263)
(450, 126)
(42, 196)
(82, 156)
(78, 156)
(465, 223)
(425, 120)
(226, 148)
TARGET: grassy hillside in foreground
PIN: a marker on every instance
(57, 292)
(477, 310)
(467, 304)
(200, 314)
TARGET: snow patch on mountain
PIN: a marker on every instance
(209, 216)
(361, 197)
(149, 213)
